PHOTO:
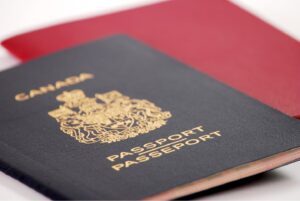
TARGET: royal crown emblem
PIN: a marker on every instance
(107, 117)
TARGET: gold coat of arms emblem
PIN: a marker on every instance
(107, 117)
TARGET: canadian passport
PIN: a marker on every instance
(115, 119)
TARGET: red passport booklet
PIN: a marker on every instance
(215, 37)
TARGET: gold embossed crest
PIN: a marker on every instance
(107, 117)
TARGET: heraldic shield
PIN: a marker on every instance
(107, 117)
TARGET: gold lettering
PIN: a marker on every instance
(205, 137)
(188, 132)
(150, 145)
(137, 149)
(117, 167)
(123, 154)
(52, 87)
(112, 157)
(192, 141)
(167, 150)
(130, 163)
(216, 133)
(142, 158)
(34, 93)
(48, 88)
(21, 97)
(60, 84)
(164, 146)
(199, 128)
(155, 154)
(86, 76)
(178, 146)
(72, 80)
(175, 137)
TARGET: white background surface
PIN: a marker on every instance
(17, 16)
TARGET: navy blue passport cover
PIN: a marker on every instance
(115, 119)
